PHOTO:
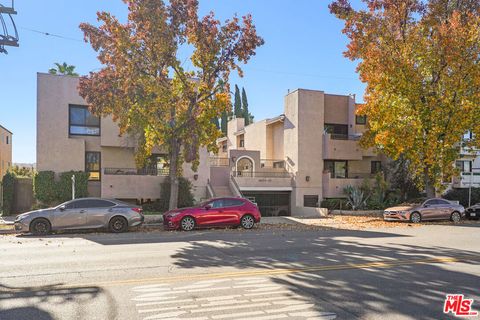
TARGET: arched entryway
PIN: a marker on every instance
(244, 167)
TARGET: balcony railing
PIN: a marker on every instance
(354, 176)
(219, 162)
(136, 172)
(337, 136)
(272, 163)
(262, 174)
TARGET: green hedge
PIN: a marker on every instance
(50, 191)
(185, 196)
(461, 195)
(8, 184)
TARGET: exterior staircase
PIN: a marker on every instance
(222, 191)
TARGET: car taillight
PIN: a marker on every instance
(138, 210)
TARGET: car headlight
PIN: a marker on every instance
(173, 214)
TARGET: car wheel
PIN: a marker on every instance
(415, 217)
(456, 217)
(40, 227)
(118, 225)
(247, 222)
(187, 224)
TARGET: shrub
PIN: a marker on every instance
(356, 197)
(461, 195)
(185, 196)
(64, 185)
(8, 184)
(51, 192)
(335, 204)
(44, 187)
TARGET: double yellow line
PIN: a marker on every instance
(282, 271)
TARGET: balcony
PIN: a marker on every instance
(344, 147)
(271, 180)
(131, 183)
(333, 187)
(465, 180)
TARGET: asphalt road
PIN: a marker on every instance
(399, 273)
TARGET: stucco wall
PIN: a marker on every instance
(5, 151)
(275, 141)
(256, 138)
(336, 109)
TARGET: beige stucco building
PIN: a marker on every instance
(293, 161)
(69, 137)
(5, 150)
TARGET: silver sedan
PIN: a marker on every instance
(85, 213)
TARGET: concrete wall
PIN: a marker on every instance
(275, 141)
(5, 151)
(336, 109)
(256, 138)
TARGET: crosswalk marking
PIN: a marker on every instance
(253, 299)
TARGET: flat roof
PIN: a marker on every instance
(5, 129)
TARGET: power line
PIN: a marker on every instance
(303, 74)
(51, 34)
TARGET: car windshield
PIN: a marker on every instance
(62, 204)
(204, 203)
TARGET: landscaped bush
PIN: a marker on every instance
(185, 196)
(461, 195)
(64, 185)
(44, 187)
(335, 204)
(8, 184)
(50, 191)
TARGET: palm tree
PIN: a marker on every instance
(63, 69)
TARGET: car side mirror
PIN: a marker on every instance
(62, 208)
(208, 207)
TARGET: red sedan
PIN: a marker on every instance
(214, 213)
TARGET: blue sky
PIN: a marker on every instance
(303, 49)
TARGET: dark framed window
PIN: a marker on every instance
(360, 119)
(242, 143)
(310, 201)
(93, 165)
(337, 131)
(8, 139)
(464, 166)
(338, 168)
(376, 166)
(224, 147)
(81, 122)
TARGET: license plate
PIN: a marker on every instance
(473, 214)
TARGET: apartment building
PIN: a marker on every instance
(5, 150)
(69, 137)
(468, 165)
(293, 161)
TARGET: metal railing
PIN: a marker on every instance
(272, 163)
(136, 172)
(353, 176)
(219, 162)
(262, 174)
(339, 136)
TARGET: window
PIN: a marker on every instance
(217, 203)
(82, 122)
(7, 139)
(337, 169)
(224, 147)
(310, 201)
(464, 166)
(242, 143)
(92, 165)
(443, 202)
(360, 119)
(232, 203)
(376, 166)
(337, 131)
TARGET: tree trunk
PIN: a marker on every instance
(429, 188)
(174, 154)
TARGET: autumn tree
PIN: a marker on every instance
(420, 62)
(63, 69)
(147, 89)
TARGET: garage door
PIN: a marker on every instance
(271, 204)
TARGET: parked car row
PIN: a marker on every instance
(118, 216)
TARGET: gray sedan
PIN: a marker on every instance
(85, 213)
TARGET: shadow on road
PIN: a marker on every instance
(26, 302)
